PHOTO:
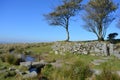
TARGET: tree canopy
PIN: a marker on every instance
(99, 16)
(112, 36)
(61, 14)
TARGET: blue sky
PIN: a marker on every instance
(23, 21)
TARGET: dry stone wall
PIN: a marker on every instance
(93, 48)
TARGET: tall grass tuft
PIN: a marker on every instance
(11, 59)
(107, 74)
(76, 71)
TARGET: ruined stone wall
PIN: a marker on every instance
(93, 48)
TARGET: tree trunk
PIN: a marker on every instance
(100, 39)
(68, 36)
(100, 34)
(67, 30)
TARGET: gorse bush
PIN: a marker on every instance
(76, 71)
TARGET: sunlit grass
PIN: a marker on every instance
(113, 62)
(41, 48)
(66, 59)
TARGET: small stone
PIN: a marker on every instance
(56, 52)
(92, 54)
(12, 68)
(96, 72)
(118, 72)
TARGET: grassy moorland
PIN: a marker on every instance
(65, 67)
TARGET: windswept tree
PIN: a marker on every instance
(62, 14)
(99, 15)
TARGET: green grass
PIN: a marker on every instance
(41, 48)
(107, 73)
(71, 58)
(68, 60)
(3, 64)
(113, 62)
(76, 71)
(68, 57)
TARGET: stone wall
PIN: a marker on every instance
(93, 48)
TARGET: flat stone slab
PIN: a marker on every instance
(117, 55)
(30, 75)
(2, 71)
(96, 71)
(57, 65)
(106, 58)
(118, 72)
(27, 64)
(98, 62)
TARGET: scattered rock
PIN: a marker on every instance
(118, 72)
(28, 64)
(96, 72)
(2, 71)
(10, 74)
(56, 52)
(12, 68)
(30, 75)
(98, 62)
(18, 72)
(57, 65)
(3, 68)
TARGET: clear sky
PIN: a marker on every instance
(23, 21)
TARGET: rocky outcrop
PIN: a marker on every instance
(93, 48)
